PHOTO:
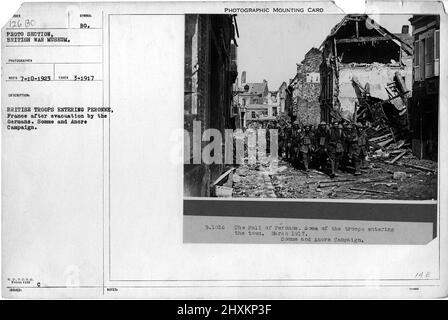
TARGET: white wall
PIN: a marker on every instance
(377, 75)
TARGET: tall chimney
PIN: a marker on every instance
(243, 77)
(405, 29)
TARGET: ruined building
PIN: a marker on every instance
(281, 96)
(424, 107)
(363, 63)
(210, 71)
(304, 89)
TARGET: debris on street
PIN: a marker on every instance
(380, 180)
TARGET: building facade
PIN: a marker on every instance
(210, 71)
(252, 100)
(261, 112)
(253, 93)
(424, 108)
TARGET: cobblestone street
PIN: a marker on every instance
(379, 181)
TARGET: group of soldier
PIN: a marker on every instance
(343, 145)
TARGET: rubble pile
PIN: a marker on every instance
(253, 180)
(388, 119)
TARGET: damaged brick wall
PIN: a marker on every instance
(329, 103)
(307, 87)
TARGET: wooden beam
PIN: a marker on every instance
(418, 167)
(221, 177)
(396, 158)
(371, 191)
(363, 39)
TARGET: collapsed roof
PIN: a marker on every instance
(360, 39)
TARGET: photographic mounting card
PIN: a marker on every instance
(216, 149)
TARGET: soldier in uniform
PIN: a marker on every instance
(288, 140)
(335, 147)
(313, 155)
(345, 160)
(293, 149)
(281, 141)
(353, 147)
(322, 137)
(306, 146)
(363, 146)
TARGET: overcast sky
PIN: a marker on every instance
(269, 46)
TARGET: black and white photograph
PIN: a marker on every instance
(311, 107)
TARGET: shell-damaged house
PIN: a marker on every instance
(361, 58)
